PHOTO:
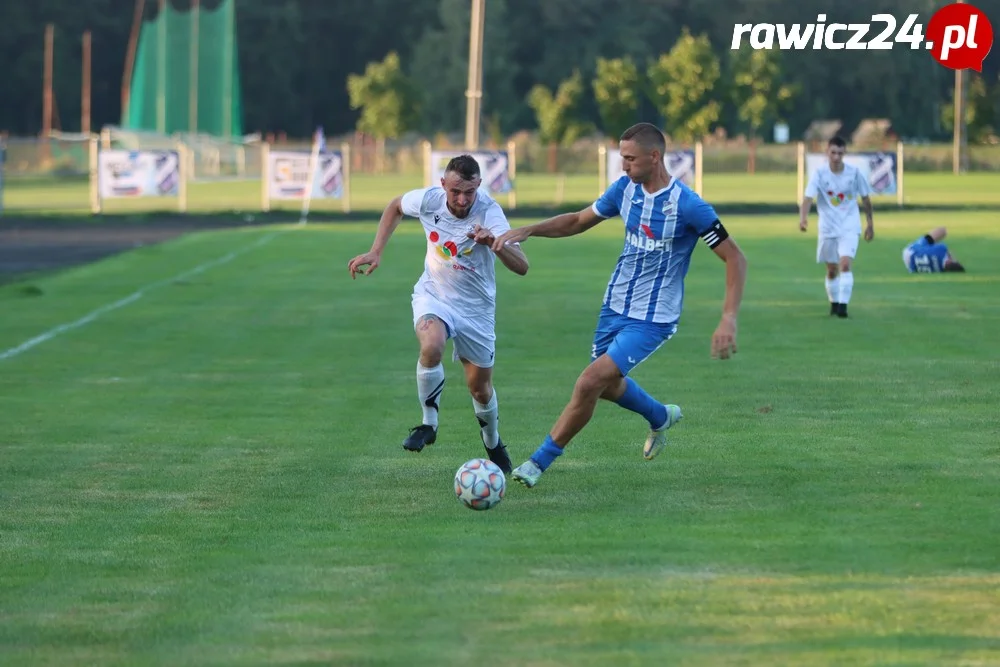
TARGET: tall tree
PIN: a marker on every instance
(758, 91)
(981, 112)
(559, 122)
(387, 100)
(682, 83)
(617, 92)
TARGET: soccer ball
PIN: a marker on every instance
(480, 484)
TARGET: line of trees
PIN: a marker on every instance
(560, 66)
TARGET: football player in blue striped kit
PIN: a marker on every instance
(642, 304)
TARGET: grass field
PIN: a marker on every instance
(211, 473)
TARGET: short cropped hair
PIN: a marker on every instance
(646, 135)
(837, 141)
(465, 166)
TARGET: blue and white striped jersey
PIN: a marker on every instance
(661, 231)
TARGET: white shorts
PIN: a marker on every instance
(829, 250)
(474, 340)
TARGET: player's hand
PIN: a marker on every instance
(803, 225)
(510, 236)
(370, 259)
(869, 233)
(481, 235)
(724, 338)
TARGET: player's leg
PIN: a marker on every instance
(937, 235)
(593, 381)
(431, 325)
(475, 346)
(599, 377)
(847, 248)
(620, 344)
(826, 253)
(635, 343)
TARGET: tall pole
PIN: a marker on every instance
(193, 83)
(47, 81)
(161, 69)
(85, 93)
(474, 93)
(960, 153)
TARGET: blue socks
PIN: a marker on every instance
(637, 400)
(547, 453)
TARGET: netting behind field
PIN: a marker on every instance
(186, 76)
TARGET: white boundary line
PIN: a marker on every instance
(134, 296)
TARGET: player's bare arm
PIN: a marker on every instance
(866, 202)
(391, 217)
(724, 338)
(566, 224)
(511, 255)
(804, 209)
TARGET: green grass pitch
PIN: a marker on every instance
(211, 473)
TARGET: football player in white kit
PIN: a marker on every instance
(835, 187)
(456, 295)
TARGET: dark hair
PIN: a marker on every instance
(646, 135)
(465, 166)
(837, 141)
(952, 265)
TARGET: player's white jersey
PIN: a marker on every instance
(457, 270)
(836, 199)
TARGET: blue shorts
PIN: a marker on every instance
(627, 341)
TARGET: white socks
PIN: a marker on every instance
(488, 416)
(833, 289)
(430, 384)
(846, 287)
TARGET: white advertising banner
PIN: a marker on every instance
(126, 174)
(288, 175)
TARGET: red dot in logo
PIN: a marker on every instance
(434, 237)
(960, 36)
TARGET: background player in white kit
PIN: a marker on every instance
(835, 187)
(456, 295)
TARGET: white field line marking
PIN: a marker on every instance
(134, 296)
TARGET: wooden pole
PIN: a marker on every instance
(474, 93)
(959, 157)
(47, 81)
(47, 93)
(85, 94)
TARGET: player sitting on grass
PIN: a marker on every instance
(456, 295)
